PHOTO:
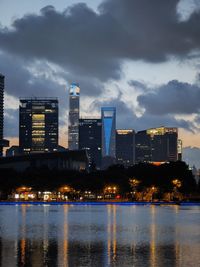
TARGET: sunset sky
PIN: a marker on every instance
(140, 56)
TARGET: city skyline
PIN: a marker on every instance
(152, 79)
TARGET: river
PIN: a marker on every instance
(98, 236)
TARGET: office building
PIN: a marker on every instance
(73, 131)
(180, 149)
(3, 142)
(142, 147)
(90, 139)
(108, 117)
(38, 125)
(157, 145)
(125, 147)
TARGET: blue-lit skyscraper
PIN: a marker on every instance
(108, 116)
(73, 127)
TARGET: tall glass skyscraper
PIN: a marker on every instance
(1, 111)
(3, 143)
(108, 117)
(125, 147)
(38, 125)
(73, 126)
(90, 139)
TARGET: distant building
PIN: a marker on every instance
(38, 125)
(73, 130)
(125, 147)
(13, 151)
(66, 160)
(180, 149)
(108, 117)
(156, 145)
(3, 142)
(90, 139)
(143, 147)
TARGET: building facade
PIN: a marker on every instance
(66, 160)
(1, 112)
(180, 149)
(3, 142)
(108, 117)
(73, 125)
(142, 147)
(90, 139)
(38, 125)
(157, 145)
(125, 147)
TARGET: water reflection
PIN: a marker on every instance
(37, 236)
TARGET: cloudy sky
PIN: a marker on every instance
(141, 56)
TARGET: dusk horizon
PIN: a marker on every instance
(141, 58)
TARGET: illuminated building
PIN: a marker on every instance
(157, 145)
(38, 125)
(73, 126)
(90, 139)
(108, 117)
(125, 147)
(3, 142)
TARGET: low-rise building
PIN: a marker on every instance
(67, 160)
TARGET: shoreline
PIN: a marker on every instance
(98, 203)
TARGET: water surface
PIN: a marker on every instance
(98, 236)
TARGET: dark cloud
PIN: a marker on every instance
(172, 98)
(93, 44)
(126, 118)
(138, 85)
(20, 81)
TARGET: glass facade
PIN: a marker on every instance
(38, 125)
(1, 112)
(180, 148)
(157, 145)
(125, 147)
(108, 117)
(3, 142)
(73, 126)
(90, 139)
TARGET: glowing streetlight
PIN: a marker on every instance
(111, 189)
(134, 182)
(177, 183)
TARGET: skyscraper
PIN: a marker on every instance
(180, 149)
(1, 112)
(125, 147)
(3, 142)
(157, 144)
(38, 125)
(73, 131)
(142, 147)
(108, 117)
(90, 139)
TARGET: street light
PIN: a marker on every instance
(177, 183)
(111, 189)
(134, 182)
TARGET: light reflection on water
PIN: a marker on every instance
(112, 235)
